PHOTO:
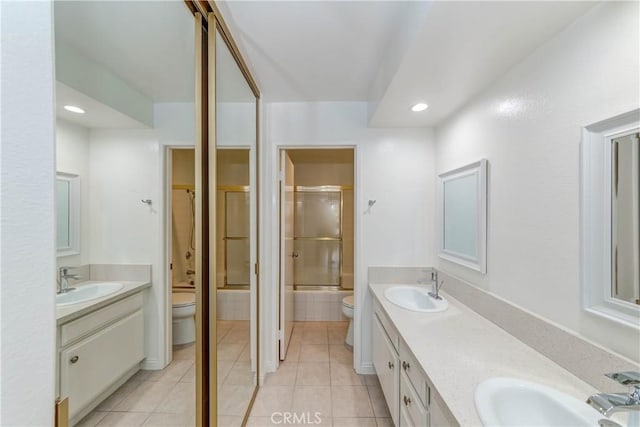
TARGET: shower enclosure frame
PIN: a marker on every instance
(232, 189)
(326, 189)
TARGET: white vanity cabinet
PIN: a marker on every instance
(98, 351)
(417, 397)
(410, 396)
(385, 362)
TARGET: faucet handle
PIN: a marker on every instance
(628, 378)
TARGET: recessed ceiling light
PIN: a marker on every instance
(74, 109)
(421, 106)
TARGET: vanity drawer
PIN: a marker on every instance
(411, 405)
(410, 366)
(388, 327)
(84, 325)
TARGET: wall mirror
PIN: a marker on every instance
(67, 214)
(236, 236)
(611, 218)
(462, 207)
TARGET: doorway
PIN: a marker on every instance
(317, 253)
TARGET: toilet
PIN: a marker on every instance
(183, 311)
(347, 309)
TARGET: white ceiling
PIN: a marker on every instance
(314, 50)
(381, 52)
(332, 50)
(148, 44)
(97, 115)
(462, 48)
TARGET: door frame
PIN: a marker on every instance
(167, 228)
(272, 311)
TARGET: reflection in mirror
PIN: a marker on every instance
(130, 67)
(609, 217)
(625, 218)
(67, 214)
(460, 215)
(462, 201)
(236, 238)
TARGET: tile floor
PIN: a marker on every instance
(316, 377)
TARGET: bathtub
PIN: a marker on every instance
(319, 305)
(233, 304)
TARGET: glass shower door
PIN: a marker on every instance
(237, 249)
(318, 237)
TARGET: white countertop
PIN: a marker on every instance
(67, 313)
(458, 349)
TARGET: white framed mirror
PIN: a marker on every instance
(67, 214)
(610, 194)
(462, 216)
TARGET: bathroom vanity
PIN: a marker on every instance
(430, 364)
(406, 388)
(100, 344)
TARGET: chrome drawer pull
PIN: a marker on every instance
(391, 365)
(407, 401)
(74, 359)
(405, 365)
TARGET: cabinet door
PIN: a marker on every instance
(437, 415)
(385, 361)
(410, 403)
(89, 367)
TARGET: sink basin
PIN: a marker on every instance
(87, 293)
(415, 298)
(514, 402)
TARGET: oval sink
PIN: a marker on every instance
(415, 298)
(514, 402)
(87, 293)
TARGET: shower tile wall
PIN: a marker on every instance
(183, 169)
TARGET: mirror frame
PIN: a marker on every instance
(208, 22)
(74, 214)
(479, 262)
(596, 237)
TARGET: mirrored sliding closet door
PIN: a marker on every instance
(227, 170)
(236, 236)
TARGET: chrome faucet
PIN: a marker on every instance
(63, 279)
(435, 287)
(608, 403)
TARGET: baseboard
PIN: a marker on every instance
(152, 365)
(366, 369)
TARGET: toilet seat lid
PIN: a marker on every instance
(348, 301)
(180, 299)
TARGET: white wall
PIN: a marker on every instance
(175, 122)
(395, 167)
(27, 223)
(72, 156)
(125, 168)
(528, 125)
